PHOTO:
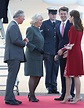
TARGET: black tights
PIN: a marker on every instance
(33, 83)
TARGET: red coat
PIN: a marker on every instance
(74, 65)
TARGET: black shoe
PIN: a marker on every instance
(18, 101)
(50, 92)
(11, 102)
(32, 98)
(55, 92)
(59, 99)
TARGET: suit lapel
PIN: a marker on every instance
(66, 27)
(50, 23)
(58, 29)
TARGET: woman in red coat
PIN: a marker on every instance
(74, 65)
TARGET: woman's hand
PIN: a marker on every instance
(69, 46)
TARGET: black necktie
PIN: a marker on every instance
(53, 24)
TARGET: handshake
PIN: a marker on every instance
(63, 51)
(46, 55)
(64, 55)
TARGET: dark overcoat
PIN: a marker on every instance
(34, 64)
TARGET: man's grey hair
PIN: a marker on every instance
(18, 14)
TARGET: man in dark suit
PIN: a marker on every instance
(14, 55)
(48, 29)
(62, 39)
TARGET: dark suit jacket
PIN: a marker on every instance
(49, 34)
(14, 43)
(62, 40)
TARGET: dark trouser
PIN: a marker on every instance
(13, 68)
(62, 62)
(51, 67)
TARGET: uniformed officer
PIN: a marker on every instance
(48, 29)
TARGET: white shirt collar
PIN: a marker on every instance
(53, 21)
(15, 22)
(61, 25)
(64, 22)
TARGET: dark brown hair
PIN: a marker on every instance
(64, 9)
(77, 20)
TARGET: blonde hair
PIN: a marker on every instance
(35, 18)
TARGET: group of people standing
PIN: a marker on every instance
(56, 42)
